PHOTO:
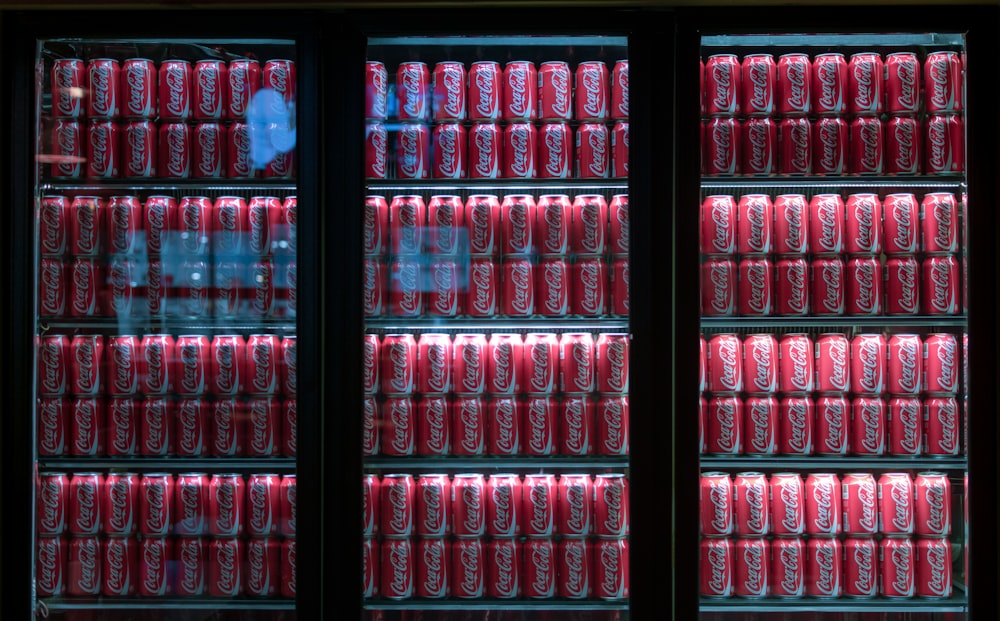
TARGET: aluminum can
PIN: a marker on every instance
(576, 425)
(193, 427)
(263, 566)
(941, 426)
(940, 285)
(828, 286)
(723, 78)
(287, 502)
(619, 90)
(796, 364)
(191, 505)
(902, 224)
(485, 152)
(864, 286)
(124, 224)
(483, 221)
(721, 150)
(540, 419)
(483, 287)
(504, 369)
(398, 505)
(53, 364)
(944, 147)
(718, 560)
(407, 221)
(541, 362)
(86, 369)
(827, 221)
(519, 100)
(226, 505)
(83, 566)
(941, 362)
(433, 505)
(517, 224)
(413, 152)
(725, 425)
(830, 84)
(896, 500)
(159, 215)
(103, 82)
(823, 505)
(468, 568)
(176, 150)
(398, 565)
(433, 568)
(227, 292)
(120, 291)
(376, 151)
(433, 360)
(719, 225)
(448, 86)
(866, 84)
(574, 505)
(468, 496)
(263, 495)
(288, 568)
(553, 221)
(503, 506)
(413, 90)
(156, 498)
(405, 289)
(792, 85)
(933, 568)
(759, 85)
(485, 91)
(593, 92)
(755, 278)
(619, 230)
(904, 364)
(577, 363)
(939, 223)
(208, 155)
(469, 363)
(53, 426)
(833, 421)
(588, 287)
(830, 137)
(787, 570)
(902, 83)
(194, 225)
(289, 427)
(449, 149)
(229, 427)
(52, 503)
(53, 287)
(943, 82)
(824, 568)
(261, 295)
(759, 146)
(376, 90)
(376, 225)
(244, 80)
(155, 556)
(863, 233)
(503, 568)
(903, 144)
(760, 425)
(868, 364)
(86, 494)
(787, 504)
(612, 363)
(752, 564)
(832, 363)
(860, 504)
(193, 358)
(399, 426)
(555, 91)
(751, 507)
(226, 566)
(69, 82)
(123, 426)
(103, 148)
(518, 299)
(445, 219)
(861, 571)
(725, 363)
(555, 156)
(791, 224)
(611, 414)
(54, 225)
(263, 426)
(932, 505)
(520, 150)
(175, 90)
(867, 154)
(230, 225)
(371, 501)
(589, 224)
(67, 143)
(157, 364)
(119, 504)
(87, 427)
(573, 575)
(469, 421)
(905, 426)
(794, 146)
(138, 149)
(539, 505)
(227, 375)
(208, 81)
(897, 558)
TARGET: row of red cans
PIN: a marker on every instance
(482, 225)
(503, 364)
(826, 224)
(153, 567)
(833, 363)
(161, 426)
(144, 149)
(500, 425)
(833, 425)
(193, 287)
(517, 150)
(751, 504)
(160, 225)
(500, 505)
(161, 504)
(860, 567)
(173, 90)
(518, 91)
(487, 286)
(832, 286)
(161, 364)
(832, 146)
(829, 84)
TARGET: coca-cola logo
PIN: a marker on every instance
(836, 353)
(866, 299)
(452, 80)
(262, 358)
(722, 220)
(155, 576)
(947, 376)
(831, 148)
(939, 156)
(614, 500)
(435, 584)
(176, 82)
(757, 274)
(51, 431)
(122, 421)
(825, 519)
(796, 87)
(940, 92)
(831, 91)
(906, 78)
(938, 560)
(227, 518)
(724, 96)
(864, 559)
(557, 150)
(433, 509)
(258, 494)
(761, 91)
(64, 76)
(582, 354)
(942, 285)
(791, 517)
(540, 436)
(503, 367)
(471, 502)
(595, 100)
(505, 562)
(720, 568)
(401, 438)
(797, 350)
(210, 104)
(790, 560)
(541, 357)
(755, 582)
(901, 556)
(227, 565)
(724, 153)
(521, 157)
(947, 420)
(378, 139)
(436, 427)
(483, 295)
(102, 90)
(906, 276)
(192, 574)
(575, 430)
(412, 91)
(798, 137)
(486, 163)
(937, 521)
(50, 566)
(88, 580)
(258, 577)
(519, 104)
(761, 436)
(120, 505)
(900, 498)
(576, 577)
(539, 500)
(942, 213)
(597, 138)
(239, 88)
(869, 355)
(471, 440)
(905, 137)
(867, 94)
(828, 569)
(760, 145)
(908, 355)
(487, 102)
(279, 79)
(209, 162)
(504, 516)
(720, 497)
(450, 164)
(577, 507)
(483, 226)
(908, 416)
(834, 415)
(411, 156)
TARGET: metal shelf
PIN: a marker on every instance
(500, 324)
(956, 603)
(856, 182)
(810, 40)
(281, 465)
(834, 462)
(144, 325)
(499, 185)
(193, 603)
(494, 604)
(168, 186)
(499, 462)
(845, 321)
(502, 41)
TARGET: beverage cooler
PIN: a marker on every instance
(154, 306)
(846, 322)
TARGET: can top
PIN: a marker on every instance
(794, 55)
(192, 474)
(175, 60)
(733, 56)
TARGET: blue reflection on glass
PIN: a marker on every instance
(271, 121)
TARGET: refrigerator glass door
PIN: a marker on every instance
(496, 236)
(834, 327)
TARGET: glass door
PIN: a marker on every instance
(496, 357)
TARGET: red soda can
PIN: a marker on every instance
(864, 286)
(940, 368)
(787, 504)
(756, 278)
(484, 287)
(433, 505)
(612, 423)
(263, 494)
(227, 293)
(589, 286)
(940, 285)
(539, 505)
(448, 91)
(795, 364)
(576, 363)
(208, 155)
(860, 500)
(193, 357)
(902, 224)
(209, 79)
(226, 505)
(944, 147)
(933, 568)
(433, 364)
(759, 82)
(943, 82)
(939, 222)
(830, 84)
(69, 81)
(902, 83)
(520, 91)
(932, 504)
(612, 360)
(399, 426)
(824, 571)
(760, 146)
(541, 363)
(619, 286)
(576, 425)
(103, 81)
(406, 293)
(245, 80)
(833, 421)
(159, 214)
(483, 220)
(485, 151)
(787, 570)
(518, 222)
(903, 144)
(760, 425)
(503, 568)
(229, 427)
(897, 558)
(722, 147)
(755, 217)
(413, 89)
(903, 359)
(725, 425)
(156, 498)
(503, 506)
(376, 150)
(752, 564)
(469, 363)
(555, 151)
(830, 136)
(230, 225)
(792, 85)
(540, 418)
(520, 148)
(227, 373)
(138, 149)
(468, 568)
(155, 556)
(589, 224)
(376, 90)
(553, 213)
(504, 364)
(262, 299)
(262, 364)
(863, 234)
(832, 363)
(823, 505)
(828, 285)
(86, 224)
(123, 426)
(861, 572)
(103, 148)
(53, 426)
(867, 156)
(574, 505)
(469, 425)
(725, 363)
(376, 225)
(941, 426)
(750, 505)
(722, 85)
(449, 148)
(865, 84)
(718, 560)
(87, 429)
(192, 427)
(371, 501)
(791, 224)
(54, 225)
(868, 364)
(288, 568)
(120, 557)
(795, 152)
(52, 502)
(895, 494)
(124, 224)
(263, 566)
(468, 505)
(175, 90)
(398, 569)
(237, 146)
(86, 494)
(67, 143)
(619, 231)
(619, 90)
(86, 371)
(485, 91)
(194, 224)
(120, 504)
(445, 219)
(592, 91)
(175, 150)
(53, 287)
(53, 364)
(398, 505)
(191, 501)
(573, 574)
(225, 566)
(518, 287)
(121, 287)
(555, 91)
(288, 494)
(905, 428)
(157, 363)
(433, 568)
(413, 152)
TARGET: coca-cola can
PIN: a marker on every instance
(449, 149)
(519, 101)
(52, 502)
(375, 287)
(103, 81)
(263, 495)
(940, 286)
(791, 224)
(67, 145)
(539, 505)
(413, 152)
(717, 567)
(191, 504)
(86, 365)
(759, 146)
(123, 223)
(175, 90)
(903, 283)
(612, 359)
(796, 364)
(868, 364)
(398, 505)
(503, 568)
(445, 220)
(504, 364)
(413, 90)
(483, 221)
(469, 422)
(755, 278)
(555, 151)
(483, 294)
(53, 426)
(244, 80)
(589, 224)
(576, 363)
(943, 82)
(861, 571)
(897, 558)
(932, 504)
(399, 426)
(376, 90)
(69, 82)
(468, 499)
(371, 501)
(120, 504)
(832, 363)
(553, 221)
(588, 287)
(263, 566)
(54, 223)
(83, 566)
(863, 231)
(518, 292)
(399, 364)
(503, 506)
(619, 90)
(723, 77)
(176, 150)
(88, 432)
(905, 426)
(833, 422)
(902, 224)
(485, 151)
(226, 505)
(520, 149)
(904, 362)
(192, 566)
(903, 145)
(209, 79)
(896, 503)
(155, 556)
(229, 427)
(433, 568)
(123, 426)
(760, 425)
(226, 556)
(939, 223)
(787, 568)
(376, 150)
(724, 433)
(86, 494)
(611, 419)
(902, 83)
(573, 575)
(193, 427)
(103, 148)
(156, 498)
(941, 362)
(376, 225)
(718, 225)
(540, 421)
(398, 565)
(865, 84)
(824, 568)
(434, 426)
(208, 154)
(468, 568)
(53, 364)
(794, 146)
(158, 220)
(828, 285)
(433, 505)
(759, 84)
(237, 146)
(54, 290)
(576, 425)
(867, 154)
(574, 505)
(593, 92)
(139, 150)
(830, 84)
(721, 147)
(760, 364)
(944, 146)
(448, 88)
(751, 507)
(751, 578)
(864, 286)
(555, 91)
(542, 354)
(823, 505)
(193, 360)
(433, 363)
(469, 363)
(787, 504)
(860, 504)
(941, 427)
(725, 363)
(755, 217)
(792, 85)
(933, 568)
(830, 137)
(485, 91)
